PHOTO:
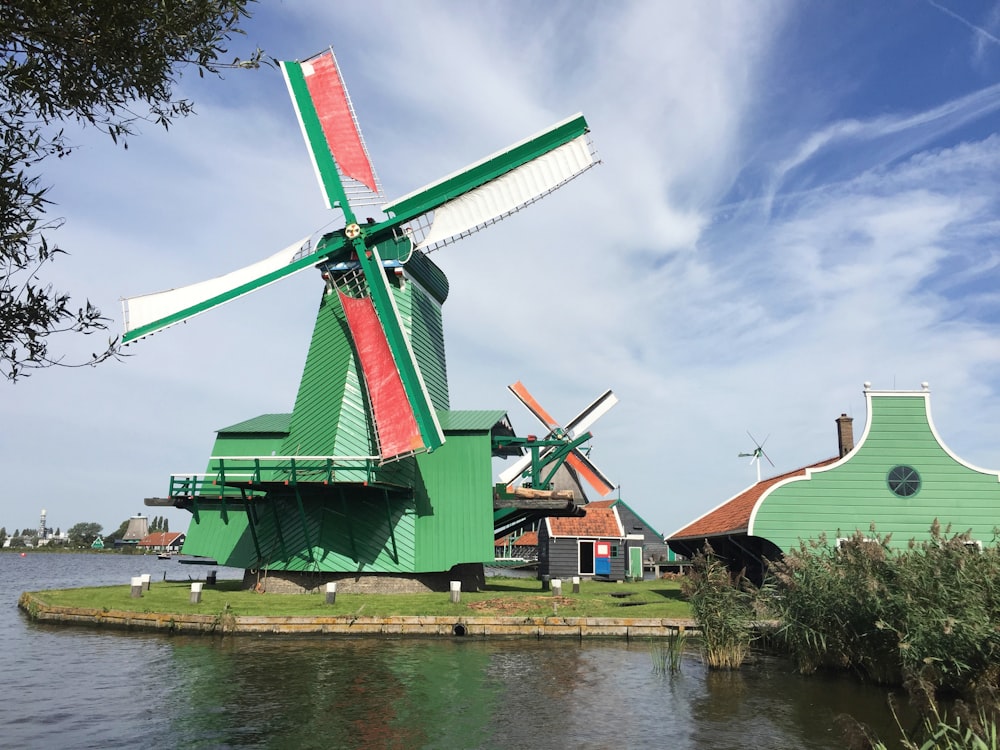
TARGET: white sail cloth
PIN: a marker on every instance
(161, 307)
(505, 195)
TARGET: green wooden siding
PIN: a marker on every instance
(421, 316)
(472, 420)
(330, 417)
(270, 423)
(854, 494)
(254, 437)
(227, 541)
(420, 514)
(343, 532)
(428, 275)
(454, 501)
(331, 414)
(247, 444)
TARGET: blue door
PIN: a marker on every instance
(602, 559)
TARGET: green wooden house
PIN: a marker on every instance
(899, 478)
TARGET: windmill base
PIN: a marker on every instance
(471, 575)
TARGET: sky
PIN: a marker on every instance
(793, 199)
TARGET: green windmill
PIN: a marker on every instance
(371, 472)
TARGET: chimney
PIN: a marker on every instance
(845, 434)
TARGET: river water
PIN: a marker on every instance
(76, 687)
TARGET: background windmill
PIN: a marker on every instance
(757, 453)
(556, 463)
(359, 477)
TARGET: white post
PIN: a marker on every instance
(145, 581)
(196, 592)
(576, 584)
(136, 587)
(456, 592)
(556, 587)
(331, 592)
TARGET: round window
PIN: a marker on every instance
(904, 481)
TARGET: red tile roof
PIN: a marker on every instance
(527, 539)
(159, 539)
(600, 520)
(733, 516)
(602, 503)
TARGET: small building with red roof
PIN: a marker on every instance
(591, 545)
(162, 541)
(899, 479)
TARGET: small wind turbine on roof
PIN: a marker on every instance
(756, 454)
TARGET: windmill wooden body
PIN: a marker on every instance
(371, 472)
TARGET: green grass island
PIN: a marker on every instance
(505, 607)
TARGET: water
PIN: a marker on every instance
(74, 687)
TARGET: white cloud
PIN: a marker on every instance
(657, 274)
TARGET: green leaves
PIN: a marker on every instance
(83, 534)
(104, 64)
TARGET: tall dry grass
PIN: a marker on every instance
(927, 612)
(723, 606)
(926, 616)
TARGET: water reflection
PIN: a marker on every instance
(86, 688)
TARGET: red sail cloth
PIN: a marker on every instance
(395, 423)
(329, 97)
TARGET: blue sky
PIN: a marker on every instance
(794, 199)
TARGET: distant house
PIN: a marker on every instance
(899, 478)
(591, 545)
(522, 547)
(162, 541)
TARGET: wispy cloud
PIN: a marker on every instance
(982, 35)
(860, 145)
(710, 302)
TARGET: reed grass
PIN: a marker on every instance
(668, 653)
(959, 729)
(924, 616)
(927, 612)
(723, 607)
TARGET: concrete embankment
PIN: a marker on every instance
(349, 625)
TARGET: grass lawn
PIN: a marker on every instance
(502, 597)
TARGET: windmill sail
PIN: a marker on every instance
(576, 427)
(146, 314)
(330, 128)
(496, 187)
(582, 465)
(582, 421)
(404, 416)
(438, 214)
(395, 424)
